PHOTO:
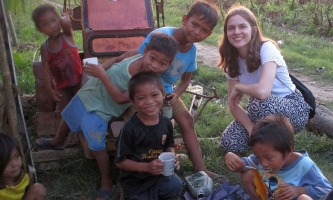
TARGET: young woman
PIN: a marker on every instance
(255, 67)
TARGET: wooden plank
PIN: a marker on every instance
(51, 155)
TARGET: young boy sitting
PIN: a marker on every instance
(277, 171)
(142, 139)
(106, 96)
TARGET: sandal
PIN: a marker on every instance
(44, 144)
(104, 194)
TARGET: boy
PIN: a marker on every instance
(60, 56)
(282, 172)
(106, 96)
(197, 25)
(143, 137)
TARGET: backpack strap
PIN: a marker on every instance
(283, 83)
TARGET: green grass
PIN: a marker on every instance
(79, 177)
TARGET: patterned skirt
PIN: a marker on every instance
(235, 138)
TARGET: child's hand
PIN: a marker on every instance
(56, 96)
(156, 167)
(177, 166)
(288, 192)
(94, 70)
(233, 162)
(172, 97)
(68, 13)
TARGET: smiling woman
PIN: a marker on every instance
(252, 62)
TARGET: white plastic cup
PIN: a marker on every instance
(168, 163)
(92, 60)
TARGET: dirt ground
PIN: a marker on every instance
(208, 55)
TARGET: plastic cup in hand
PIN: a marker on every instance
(168, 163)
(92, 60)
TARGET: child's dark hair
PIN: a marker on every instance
(141, 78)
(7, 144)
(276, 131)
(163, 43)
(207, 11)
(41, 10)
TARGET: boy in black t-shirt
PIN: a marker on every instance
(142, 139)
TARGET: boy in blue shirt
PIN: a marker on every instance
(282, 172)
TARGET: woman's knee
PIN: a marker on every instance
(234, 143)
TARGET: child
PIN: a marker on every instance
(60, 57)
(254, 66)
(197, 25)
(287, 174)
(106, 96)
(15, 183)
(143, 137)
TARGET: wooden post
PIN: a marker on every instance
(12, 29)
(7, 79)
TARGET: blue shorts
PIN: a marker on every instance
(78, 119)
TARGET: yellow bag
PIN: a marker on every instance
(261, 188)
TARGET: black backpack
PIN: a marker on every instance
(307, 95)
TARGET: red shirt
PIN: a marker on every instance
(65, 63)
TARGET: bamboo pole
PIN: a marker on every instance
(7, 81)
(12, 30)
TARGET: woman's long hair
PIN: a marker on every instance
(229, 54)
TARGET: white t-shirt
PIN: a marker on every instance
(269, 52)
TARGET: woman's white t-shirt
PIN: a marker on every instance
(269, 52)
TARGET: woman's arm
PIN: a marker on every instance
(236, 109)
(263, 88)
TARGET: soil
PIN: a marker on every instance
(208, 55)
